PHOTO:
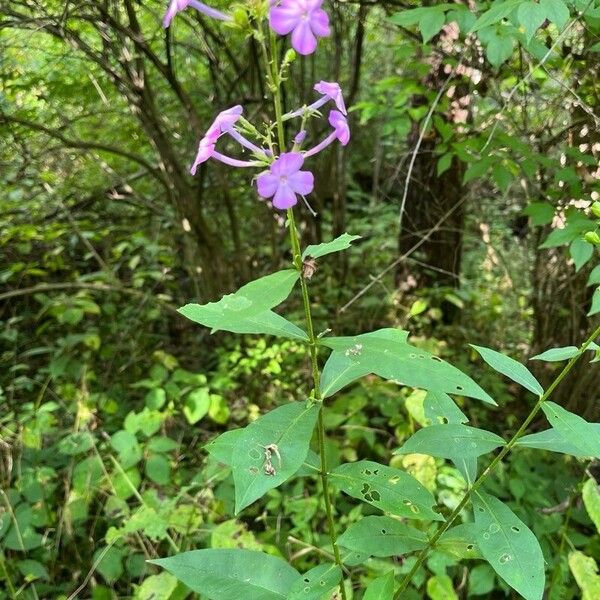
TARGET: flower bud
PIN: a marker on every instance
(300, 137)
(290, 57)
(596, 209)
(592, 237)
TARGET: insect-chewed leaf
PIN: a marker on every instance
(231, 574)
(249, 309)
(314, 584)
(448, 441)
(510, 368)
(574, 429)
(382, 536)
(460, 542)
(221, 447)
(387, 353)
(509, 546)
(439, 408)
(553, 440)
(386, 488)
(270, 450)
(340, 243)
(382, 588)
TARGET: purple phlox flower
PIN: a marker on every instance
(341, 132)
(176, 6)
(329, 90)
(224, 124)
(285, 180)
(304, 19)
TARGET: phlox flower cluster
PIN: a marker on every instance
(282, 178)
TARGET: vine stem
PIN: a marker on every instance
(509, 446)
(275, 80)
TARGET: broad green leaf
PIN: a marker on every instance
(530, 16)
(595, 308)
(460, 542)
(127, 447)
(591, 499)
(314, 584)
(439, 408)
(340, 243)
(382, 536)
(439, 587)
(415, 15)
(222, 446)
(196, 405)
(510, 368)
(481, 580)
(557, 354)
(594, 278)
(386, 488)
(495, 14)
(499, 49)
(554, 441)
(76, 443)
(270, 450)
(573, 428)
(446, 441)
(431, 23)
(158, 469)
(156, 587)
(585, 571)
(509, 546)
(232, 574)
(556, 11)
(541, 213)
(248, 309)
(580, 252)
(32, 569)
(387, 353)
(382, 588)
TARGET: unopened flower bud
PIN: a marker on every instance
(596, 209)
(290, 56)
(300, 137)
(592, 237)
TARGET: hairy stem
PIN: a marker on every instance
(423, 554)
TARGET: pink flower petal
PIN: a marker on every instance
(288, 163)
(319, 23)
(267, 184)
(303, 40)
(302, 182)
(283, 20)
(284, 197)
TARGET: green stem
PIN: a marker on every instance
(423, 554)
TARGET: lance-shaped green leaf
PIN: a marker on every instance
(270, 450)
(340, 243)
(249, 309)
(511, 368)
(382, 536)
(553, 440)
(386, 488)
(460, 542)
(467, 466)
(439, 408)
(447, 441)
(557, 354)
(591, 499)
(231, 574)
(574, 429)
(382, 588)
(509, 546)
(387, 353)
(314, 584)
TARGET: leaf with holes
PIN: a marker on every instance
(386, 488)
(270, 450)
(510, 368)
(382, 536)
(388, 354)
(553, 441)
(249, 309)
(340, 243)
(231, 574)
(446, 441)
(460, 542)
(317, 582)
(439, 408)
(382, 588)
(509, 546)
(573, 428)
